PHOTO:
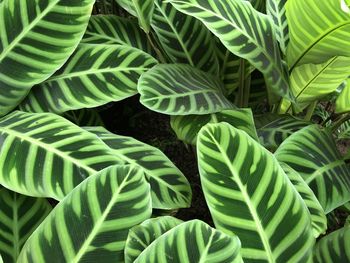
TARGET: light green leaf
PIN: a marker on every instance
(314, 32)
(246, 33)
(184, 38)
(109, 73)
(141, 236)
(249, 195)
(312, 152)
(115, 30)
(193, 242)
(142, 9)
(44, 155)
(318, 216)
(32, 47)
(91, 224)
(342, 103)
(169, 187)
(333, 247)
(19, 216)
(187, 127)
(179, 89)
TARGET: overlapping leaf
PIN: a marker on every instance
(142, 9)
(246, 33)
(313, 31)
(259, 5)
(313, 153)
(187, 127)
(342, 103)
(184, 38)
(19, 217)
(190, 242)
(249, 195)
(109, 73)
(44, 155)
(344, 131)
(169, 187)
(84, 117)
(115, 30)
(318, 217)
(333, 247)
(141, 236)
(91, 224)
(179, 89)
(31, 47)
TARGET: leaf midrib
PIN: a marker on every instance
(324, 169)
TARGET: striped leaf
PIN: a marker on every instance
(184, 38)
(311, 82)
(333, 247)
(192, 242)
(84, 117)
(342, 103)
(344, 131)
(277, 11)
(142, 9)
(19, 217)
(44, 155)
(31, 47)
(246, 33)
(187, 127)
(169, 187)
(312, 41)
(249, 195)
(141, 236)
(115, 30)
(259, 5)
(273, 129)
(312, 152)
(91, 224)
(179, 89)
(93, 76)
(318, 217)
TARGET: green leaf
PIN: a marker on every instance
(318, 216)
(91, 224)
(277, 11)
(259, 5)
(344, 131)
(169, 187)
(249, 195)
(342, 103)
(19, 217)
(187, 127)
(273, 129)
(246, 33)
(312, 152)
(115, 30)
(311, 82)
(141, 236)
(109, 73)
(192, 242)
(179, 89)
(142, 9)
(333, 247)
(84, 117)
(44, 155)
(31, 47)
(184, 38)
(314, 32)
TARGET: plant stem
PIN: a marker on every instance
(310, 111)
(244, 86)
(343, 118)
(156, 49)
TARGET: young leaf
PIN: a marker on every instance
(44, 155)
(141, 236)
(249, 195)
(313, 31)
(169, 187)
(19, 216)
(246, 33)
(91, 224)
(344, 131)
(185, 39)
(192, 241)
(313, 153)
(342, 103)
(32, 47)
(179, 89)
(109, 73)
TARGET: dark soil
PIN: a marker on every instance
(130, 118)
